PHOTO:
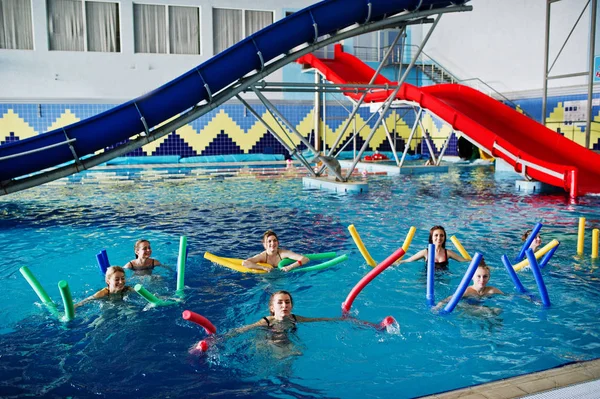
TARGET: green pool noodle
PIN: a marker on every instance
(324, 255)
(150, 297)
(39, 290)
(321, 266)
(65, 293)
(181, 263)
(35, 284)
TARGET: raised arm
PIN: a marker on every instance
(419, 255)
(455, 256)
(243, 329)
(301, 260)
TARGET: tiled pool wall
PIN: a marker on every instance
(231, 129)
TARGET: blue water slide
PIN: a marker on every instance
(198, 85)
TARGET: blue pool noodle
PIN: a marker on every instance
(430, 274)
(462, 287)
(513, 275)
(547, 257)
(105, 257)
(528, 242)
(101, 265)
(537, 274)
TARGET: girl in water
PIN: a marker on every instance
(143, 264)
(437, 236)
(273, 254)
(115, 286)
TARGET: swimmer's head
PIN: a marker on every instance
(437, 233)
(115, 278)
(141, 248)
(281, 302)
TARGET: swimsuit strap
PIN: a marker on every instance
(267, 320)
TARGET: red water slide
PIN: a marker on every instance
(528, 146)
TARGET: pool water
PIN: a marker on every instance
(123, 349)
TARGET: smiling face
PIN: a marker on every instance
(281, 305)
(115, 281)
(271, 243)
(481, 277)
(438, 237)
(537, 241)
(143, 250)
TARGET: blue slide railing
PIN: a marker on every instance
(200, 84)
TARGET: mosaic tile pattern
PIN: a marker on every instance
(231, 129)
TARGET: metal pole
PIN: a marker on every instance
(317, 111)
(588, 124)
(546, 51)
(410, 136)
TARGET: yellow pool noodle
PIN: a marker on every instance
(361, 247)
(460, 248)
(539, 253)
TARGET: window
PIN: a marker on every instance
(152, 22)
(76, 25)
(15, 25)
(230, 26)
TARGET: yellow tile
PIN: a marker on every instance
(539, 385)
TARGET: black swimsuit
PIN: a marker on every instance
(267, 261)
(142, 269)
(441, 265)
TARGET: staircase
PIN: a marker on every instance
(436, 73)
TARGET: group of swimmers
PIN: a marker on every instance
(281, 302)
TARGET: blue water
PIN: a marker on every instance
(124, 349)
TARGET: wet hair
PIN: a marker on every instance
(137, 245)
(112, 270)
(268, 234)
(525, 235)
(282, 292)
(434, 228)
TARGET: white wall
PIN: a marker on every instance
(61, 76)
(502, 42)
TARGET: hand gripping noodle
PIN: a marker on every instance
(203, 322)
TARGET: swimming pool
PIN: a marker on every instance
(120, 350)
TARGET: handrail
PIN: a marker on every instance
(37, 150)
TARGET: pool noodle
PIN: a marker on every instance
(595, 234)
(460, 248)
(537, 274)
(287, 261)
(581, 236)
(101, 265)
(35, 284)
(203, 322)
(233, 263)
(408, 239)
(430, 274)
(538, 254)
(462, 287)
(105, 258)
(144, 293)
(39, 290)
(528, 242)
(361, 247)
(65, 293)
(547, 257)
(513, 275)
(181, 263)
(200, 320)
(321, 266)
(370, 276)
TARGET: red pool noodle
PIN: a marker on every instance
(200, 320)
(370, 276)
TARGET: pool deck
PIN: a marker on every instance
(559, 382)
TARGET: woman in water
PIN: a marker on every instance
(535, 244)
(272, 255)
(143, 264)
(437, 236)
(115, 286)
